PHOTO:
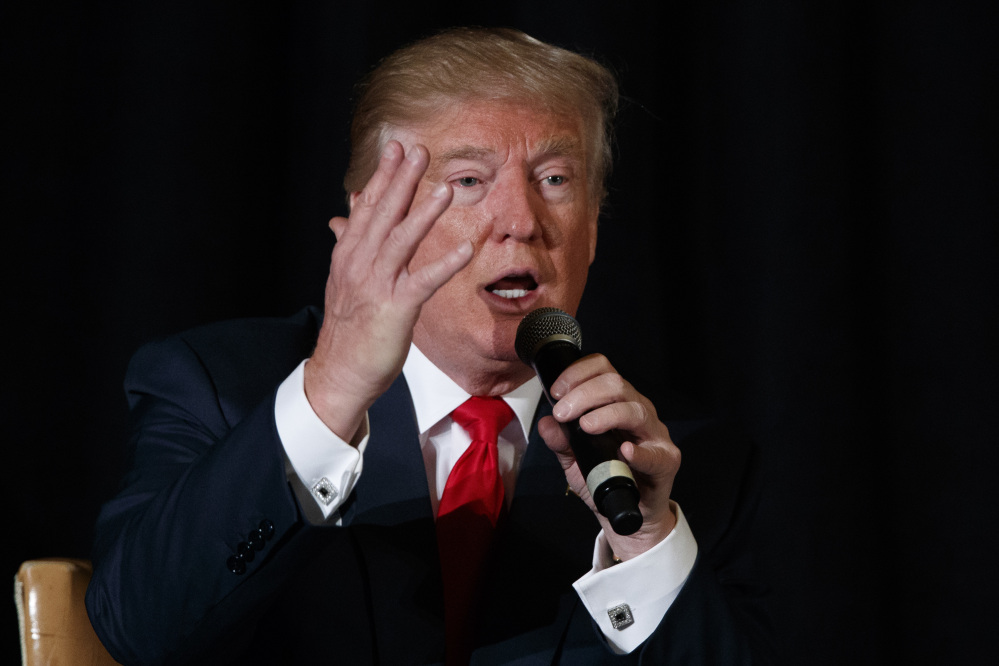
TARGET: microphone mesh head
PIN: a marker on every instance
(542, 326)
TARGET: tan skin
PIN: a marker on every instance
(486, 198)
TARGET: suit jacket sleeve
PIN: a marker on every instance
(207, 481)
(720, 615)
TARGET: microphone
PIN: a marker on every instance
(549, 340)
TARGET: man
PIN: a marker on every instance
(294, 479)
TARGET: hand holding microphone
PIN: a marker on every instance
(549, 340)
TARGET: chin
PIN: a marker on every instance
(504, 336)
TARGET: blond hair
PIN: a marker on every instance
(466, 64)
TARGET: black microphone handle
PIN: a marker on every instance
(609, 480)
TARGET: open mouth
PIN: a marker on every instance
(513, 286)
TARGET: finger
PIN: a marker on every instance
(597, 391)
(353, 231)
(363, 203)
(403, 241)
(383, 214)
(632, 416)
(428, 279)
(582, 370)
(554, 436)
(556, 440)
(654, 460)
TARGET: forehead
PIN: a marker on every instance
(493, 129)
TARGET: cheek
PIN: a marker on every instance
(446, 234)
(584, 245)
(577, 263)
(440, 240)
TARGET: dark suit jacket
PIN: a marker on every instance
(208, 475)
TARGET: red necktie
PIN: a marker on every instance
(466, 519)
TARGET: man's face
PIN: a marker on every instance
(522, 198)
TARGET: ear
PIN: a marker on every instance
(338, 225)
(353, 198)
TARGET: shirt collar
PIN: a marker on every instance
(435, 395)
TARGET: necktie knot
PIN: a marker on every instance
(474, 484)
(483, 418)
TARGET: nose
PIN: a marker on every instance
(516, 211)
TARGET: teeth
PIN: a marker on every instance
(510, 293)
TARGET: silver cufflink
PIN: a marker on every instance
(324, 491)
(621, 617)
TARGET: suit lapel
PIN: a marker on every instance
(390, 520)
(547, 544)
(393, 486)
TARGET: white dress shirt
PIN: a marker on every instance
(323, 469)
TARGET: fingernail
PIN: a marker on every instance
(559, 411)
(413, 155)
(439, 192)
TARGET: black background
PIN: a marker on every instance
(801, 234)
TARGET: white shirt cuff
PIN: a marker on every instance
(321, 467)
(647, 584)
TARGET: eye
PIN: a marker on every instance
(467, 181)
(555, 180)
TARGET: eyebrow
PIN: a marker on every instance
(459, 153)
(564, 146)
(567, 146)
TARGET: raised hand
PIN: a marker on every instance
(372, 300)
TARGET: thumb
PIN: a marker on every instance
(555, 438)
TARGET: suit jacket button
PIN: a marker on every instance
(256, 539)
(266, 528)
(236, 565)
(246, 551)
